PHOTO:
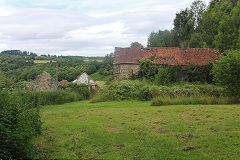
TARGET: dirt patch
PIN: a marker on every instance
(188, 148)
(185, 135)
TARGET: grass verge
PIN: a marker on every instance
(193, 100)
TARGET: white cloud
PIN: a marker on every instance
(86, 27)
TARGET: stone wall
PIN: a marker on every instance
(44, 82)
(125, 71)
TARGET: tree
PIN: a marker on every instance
(229, 31)
(91, 69)
(198, 8)
(227, 74)
(216, 12)
(197, 41)
(136, 44)
(183, 25)
(161, 39)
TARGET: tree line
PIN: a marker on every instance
(203, 26)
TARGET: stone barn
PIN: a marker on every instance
(84, 78)
(44, 82)
(127, 60)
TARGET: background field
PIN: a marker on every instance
(135, 130)
(43, 61)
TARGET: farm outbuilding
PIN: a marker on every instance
(84, 78)
(127, 60)
(63, 82)
(44, 82)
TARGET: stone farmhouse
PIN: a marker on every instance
(127, 60)
(84, 78)
(44, 82)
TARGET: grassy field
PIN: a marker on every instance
(136, 130)
(43, 61)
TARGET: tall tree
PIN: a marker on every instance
(183, 25)
(198, 8)
(136, 44)
(217, 11)
(228, 36)
(161, 39)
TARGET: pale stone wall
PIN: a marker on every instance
(44, 82)
(84, 78)
(125, 71)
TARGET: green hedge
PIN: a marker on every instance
(139, 90)
(80, 89)
(19, 123)
(20, 119)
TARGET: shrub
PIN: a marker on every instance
(5, 83)
(227, 74)
(19, 124)
(20, 119)
(80, 89)
(145, 93)
(57, 97)
(147, 70)
(163, 77)
(200, 73)
(139, 90)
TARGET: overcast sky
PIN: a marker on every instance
(82, 27)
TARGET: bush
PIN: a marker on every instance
(200, 73)
(227, 72)
(80, 89)
(57, 97)
(19, 124)
(139, 90)
(20, 119)
(163, 77)
(192, 100)
(148, 70)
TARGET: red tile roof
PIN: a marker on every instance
(167, 55)
(63, 82)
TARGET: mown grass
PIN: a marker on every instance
(136, 130)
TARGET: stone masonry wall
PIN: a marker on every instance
(44, 82)
(125, 71)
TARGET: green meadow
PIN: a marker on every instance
(136, 130)
(43, 61)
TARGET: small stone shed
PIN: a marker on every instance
(44, 82)
(84, 78)
(127, 60)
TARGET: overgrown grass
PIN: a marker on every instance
(136, 130)
(139, 90)
(193, 100)
(98, 77)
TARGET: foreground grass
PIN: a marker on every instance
(136, 130)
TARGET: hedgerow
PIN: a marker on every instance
(20, 119)
(140, 90)
(19, 124)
